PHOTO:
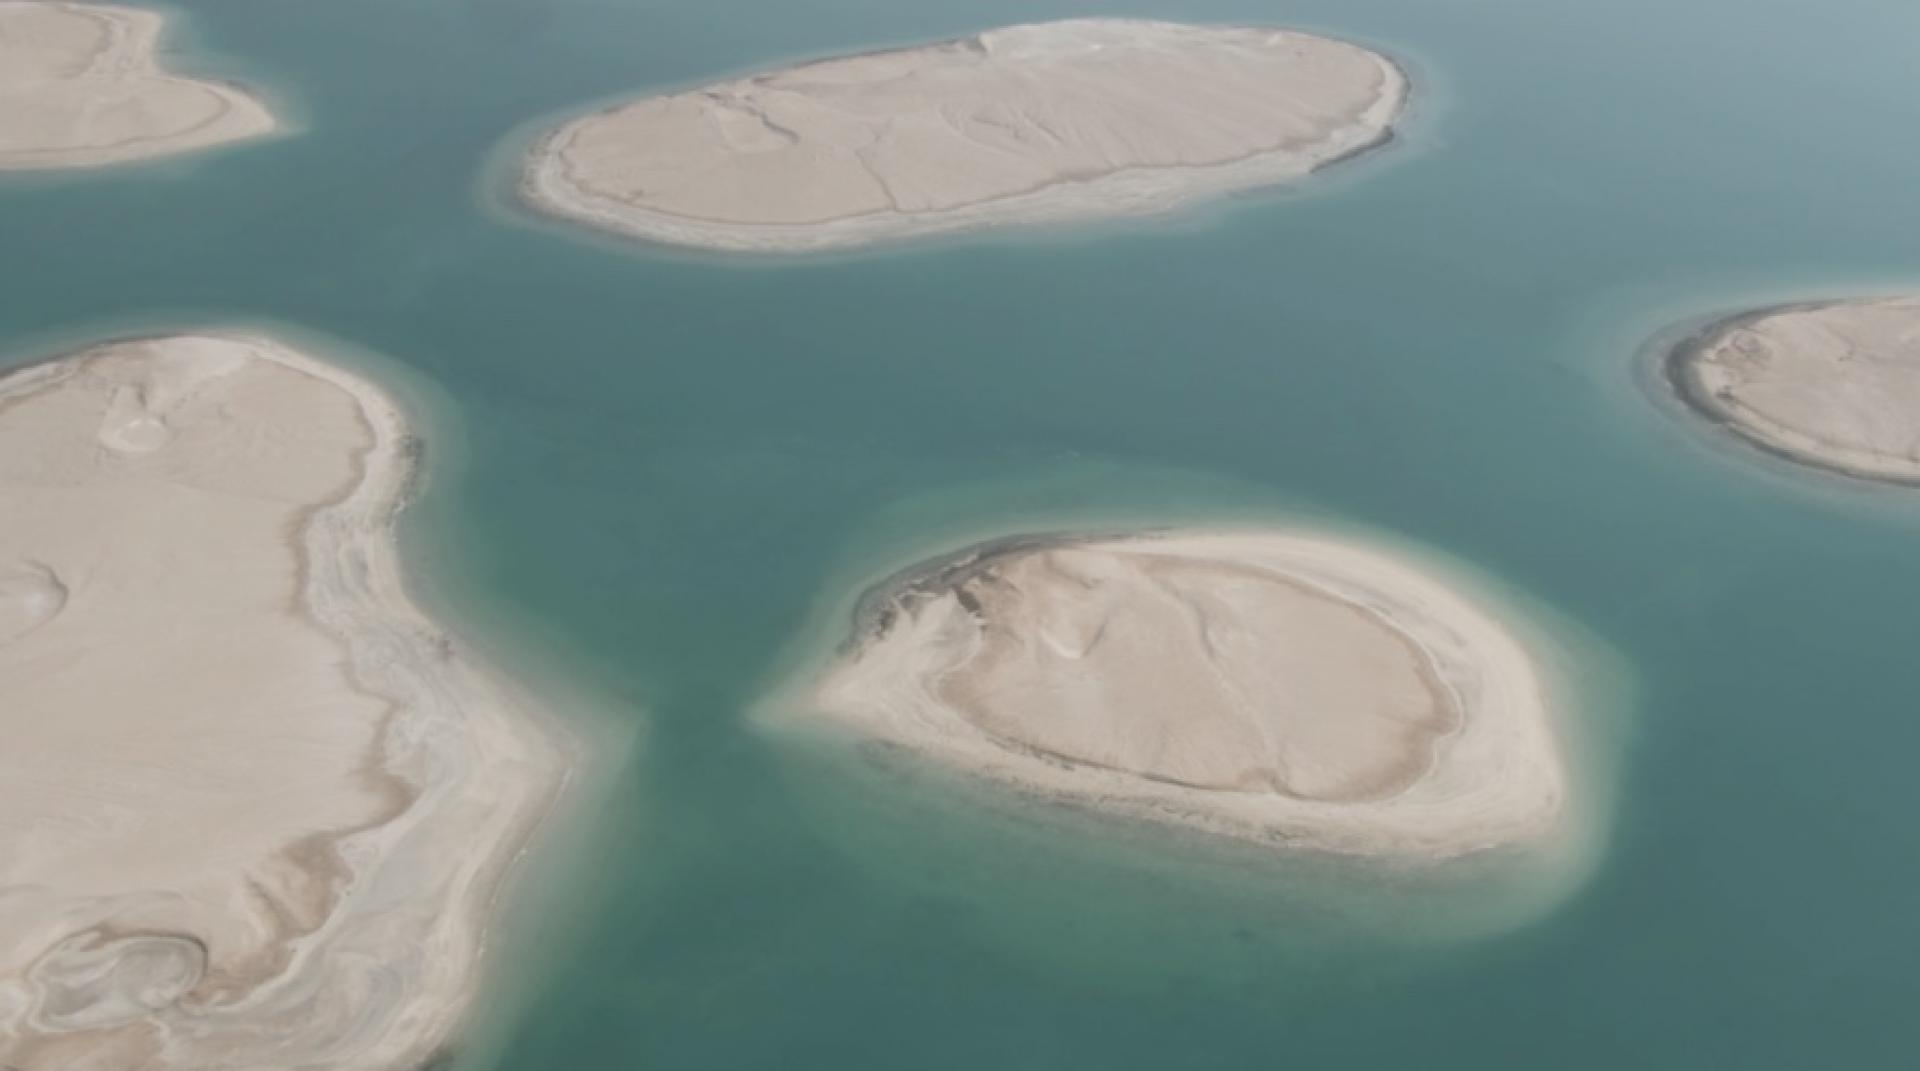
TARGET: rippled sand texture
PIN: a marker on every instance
(1832, 385)
(253, 805)
(79, 88)
(1287, 689)
(1026, 124)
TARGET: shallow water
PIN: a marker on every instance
(652, 468)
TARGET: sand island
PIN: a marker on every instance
(1027, 124)
(79, 87)
(1288, 689)
(255, 807)
(1835, 385)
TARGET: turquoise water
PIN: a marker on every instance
(652, 468)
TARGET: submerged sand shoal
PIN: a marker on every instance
(255, 807)
(1266, 685)
(1025, 124)
(80, 87)
(1835, 385)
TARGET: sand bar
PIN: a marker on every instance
(255, 807)
(1283, 688)
(1835, 385)
(1027, 124)
(79, 87)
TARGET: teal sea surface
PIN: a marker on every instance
(655, 474)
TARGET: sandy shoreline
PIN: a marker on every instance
(1281, 688)
(1831, 385)
(257, 807)
(1027, 124)
(80, 86)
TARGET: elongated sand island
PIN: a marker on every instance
(79, 87)
(1027, 124)
(1834, 385)
(1281, 688)
(255, 807)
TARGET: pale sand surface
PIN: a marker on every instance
(1834, 385)
(1032, 123)
(254, 806)
(79, 87)
(1284, 688)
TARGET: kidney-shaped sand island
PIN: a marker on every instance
(1026, 124)
(1288, 689)
(254, 806)
(79, 88)
(1834, 385)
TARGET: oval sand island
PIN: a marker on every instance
(1027, 124)
(255, 807)
(1281, 688)
(79, 87)
(1834, 385)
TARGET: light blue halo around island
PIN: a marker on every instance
(913, 819)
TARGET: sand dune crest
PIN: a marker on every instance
(30, 596)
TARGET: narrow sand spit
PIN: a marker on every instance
(254, 806)
(1027, 124)
(79, 88)
(1281, 688)
(1834, 385)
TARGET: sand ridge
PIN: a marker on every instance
(255, 807)
(1025, 124)
(1266, 685)
(1834, 385)
(80, 87)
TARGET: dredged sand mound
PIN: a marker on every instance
(1833, 385)
(1025, 124)
(79, 88)
(254, 806)
(1268, 686)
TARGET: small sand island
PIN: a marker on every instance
(1287, 689)
(1028, 124)
(255, 807)
(1835, 385)
(79, 88)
